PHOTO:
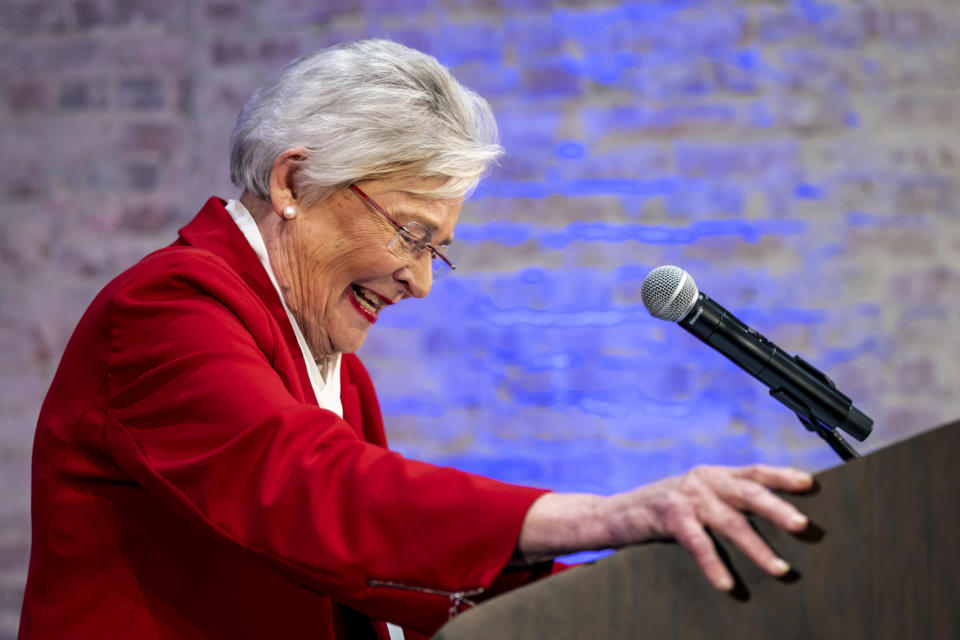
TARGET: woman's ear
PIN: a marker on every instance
(284, 195)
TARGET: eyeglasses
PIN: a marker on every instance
(411, 240)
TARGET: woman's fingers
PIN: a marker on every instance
(785, 478)
(734, 526)
(692, 537)
(756, 498)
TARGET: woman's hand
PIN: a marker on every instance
(680, 508)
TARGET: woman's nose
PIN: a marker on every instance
(417, 275)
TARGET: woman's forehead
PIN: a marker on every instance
(407, 197)
(412, 187)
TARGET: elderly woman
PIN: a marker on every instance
(210, 461)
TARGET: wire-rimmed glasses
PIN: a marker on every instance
(411, 240)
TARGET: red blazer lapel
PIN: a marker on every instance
(215, 231)
(352, 409)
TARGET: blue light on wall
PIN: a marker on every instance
(637, 134)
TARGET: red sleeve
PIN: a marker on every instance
(201, 414)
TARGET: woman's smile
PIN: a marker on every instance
(367, 302)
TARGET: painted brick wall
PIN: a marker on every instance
(798, 157)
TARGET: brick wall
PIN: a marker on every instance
(799, 158)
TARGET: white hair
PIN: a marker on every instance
(365, 110)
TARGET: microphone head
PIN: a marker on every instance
(669, 293)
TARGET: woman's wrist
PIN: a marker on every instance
(561, 523)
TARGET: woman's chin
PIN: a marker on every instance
(347, 333)
(350, 340)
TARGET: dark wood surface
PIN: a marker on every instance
(881, 560)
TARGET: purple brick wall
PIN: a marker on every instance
(799, 158)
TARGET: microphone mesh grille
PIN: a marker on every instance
(669, 293)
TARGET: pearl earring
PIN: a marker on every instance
(289, 212)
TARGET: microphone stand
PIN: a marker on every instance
(831, 436)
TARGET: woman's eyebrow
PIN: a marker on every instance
(432, 227)
(429, 224)
(404, 215)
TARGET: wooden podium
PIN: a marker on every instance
(880, 560)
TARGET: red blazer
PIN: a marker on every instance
(187, 485)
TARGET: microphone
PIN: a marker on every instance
(669, 293)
